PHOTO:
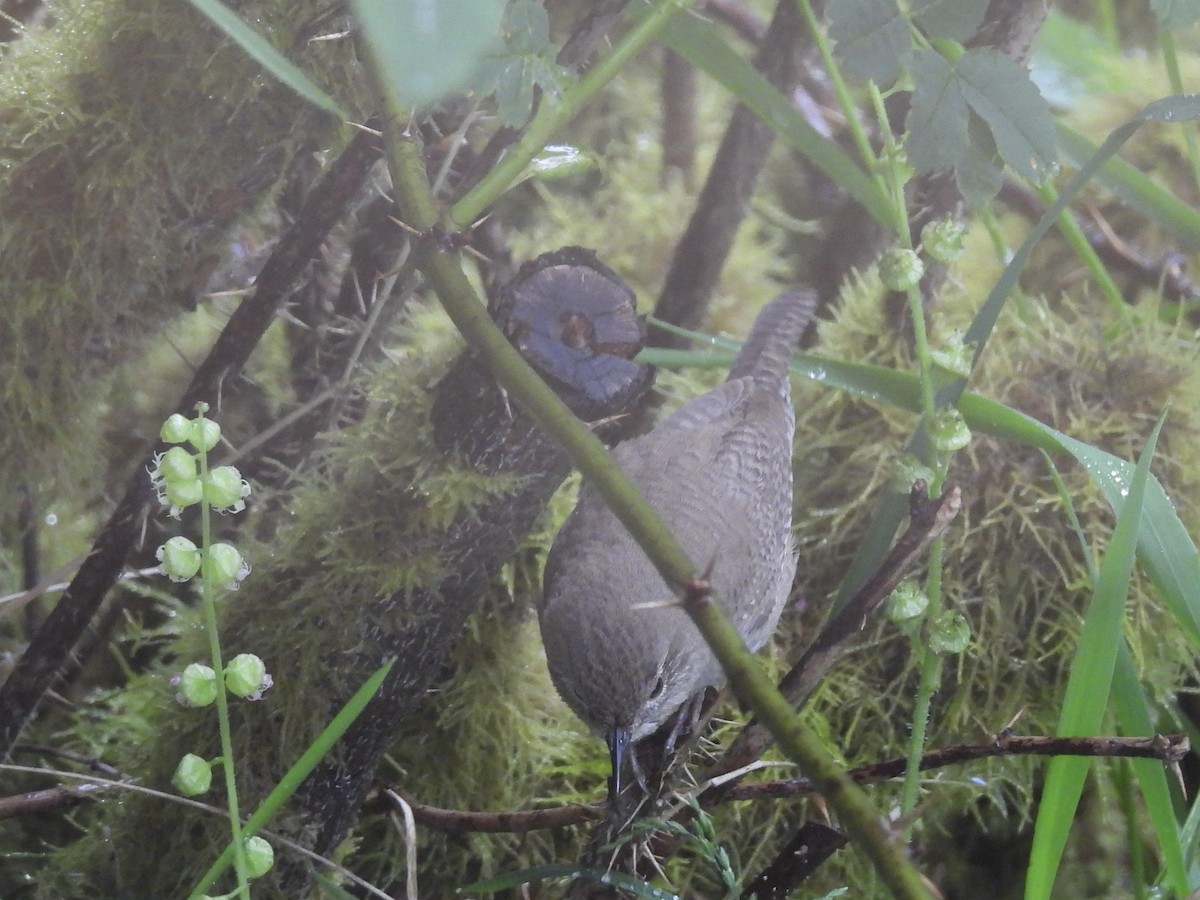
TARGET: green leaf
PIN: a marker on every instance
(526, 27)
(703, 46)
(425, 50)
(1001, 92)
(1175, 13)
(263, 52)
(1089, 683)
(956, 20)
(980, 174)
(1134, 717)
(936, 126)
(525, 62)
(872, 38)
(559, 161)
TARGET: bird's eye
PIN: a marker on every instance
(658, 689)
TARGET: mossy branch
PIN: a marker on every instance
(750, 683)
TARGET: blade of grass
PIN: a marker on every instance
(300, 770)
(264, 53)
(1169, 109)
(1134, 718)
(1089, 683)
(1138, 190)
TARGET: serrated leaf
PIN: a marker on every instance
(514, 93)
(1006, 99)
(523, 64)
(426, 50)
(872, 39)
(1175, 13)
(936, 125)
(956, 20)
(980, 174)
(263, 52)
(526, 27)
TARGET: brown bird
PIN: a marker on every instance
(719, 472)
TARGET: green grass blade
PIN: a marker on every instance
(1089, 684)
(702, 46)
(1136, 189)
(300, 770)
(1134, 717)
(1169, 109)
(262, 51)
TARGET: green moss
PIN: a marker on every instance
(134, 137)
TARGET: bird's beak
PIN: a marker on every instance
(618, 747)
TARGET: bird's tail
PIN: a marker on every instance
(773, 338)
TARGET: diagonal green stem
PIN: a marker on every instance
(417, 207)
(749, 681)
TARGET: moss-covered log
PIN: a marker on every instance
(132, 135)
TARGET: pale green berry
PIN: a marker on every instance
(909, 470)
(176, 429)
(197, 685)
(182, 494)
(260, 857)
(900, 269)
(949, 633)
(949, 432)
(907, 601)
(193, 775)
(205, 434)
(246, 676)
(954, 356)
(223, 565)
(943, 240)
(180, 558)
(224, 489)
(177, 464)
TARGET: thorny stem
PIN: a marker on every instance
(418, 209)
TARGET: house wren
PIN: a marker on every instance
(719, 472)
